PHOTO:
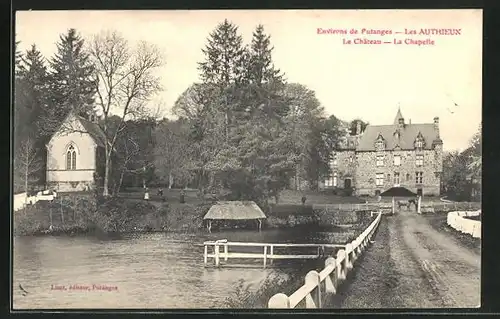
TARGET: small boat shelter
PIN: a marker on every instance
(234, 210)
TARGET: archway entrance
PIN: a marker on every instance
(347, 183)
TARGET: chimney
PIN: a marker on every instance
(358, 128)
(436, 125)
(401, 123)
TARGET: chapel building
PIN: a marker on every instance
(75, 154)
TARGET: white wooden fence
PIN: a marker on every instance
(319, 286)
(268, 251)
(22, 199)
(465, 225)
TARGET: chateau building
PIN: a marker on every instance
(382, 156)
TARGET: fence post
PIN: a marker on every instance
(216, 252)
(329, 286)
(225, 252)
(272, 254)
(354, 244)
(348, 263)
(205, 254)
(340, 271)
(312, 278)
(265, 256)
(279, 301)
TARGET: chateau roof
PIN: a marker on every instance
(398, 116)
(393, 135)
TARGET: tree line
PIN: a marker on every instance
(242, 126)
(462, 171)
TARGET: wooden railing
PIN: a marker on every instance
(320, 285)
(425, 206)
(268, 251)
(348, 207)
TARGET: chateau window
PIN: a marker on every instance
(335, 179)
(329, 181)
(334, 160)
(396, 179)
(419, 177)
(419, 144)
(379, 179)
(380, 160)
(420, 160)
(389, 177)
(351, 159)
(71, 158)
(397, 160)
(379, 145)
(407, 177)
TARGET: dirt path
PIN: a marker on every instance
(412, 265)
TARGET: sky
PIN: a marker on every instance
(367, 81)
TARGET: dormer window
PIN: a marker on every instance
(380, 143)
(419, 142)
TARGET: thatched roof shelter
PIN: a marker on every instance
(235, 210)
(398, 191)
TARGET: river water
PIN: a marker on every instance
(153, 270)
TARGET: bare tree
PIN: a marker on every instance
(171, 153)
(27, 163)
(130, 151)
(125, 81)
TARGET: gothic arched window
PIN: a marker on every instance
(71, 158)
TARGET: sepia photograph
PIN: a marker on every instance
(246, 159)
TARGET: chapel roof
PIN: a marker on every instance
(91, 128)
(94, 131)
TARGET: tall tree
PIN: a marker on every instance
(30, 93)
(223, 70)
(72, 81)
(265, 154)
(125, 81)
(224, 56)
(260, 65)
(18, 57)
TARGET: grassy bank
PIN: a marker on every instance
(84, 214)
(129, 212)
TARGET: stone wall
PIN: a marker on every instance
(367, 170)
(345, 167)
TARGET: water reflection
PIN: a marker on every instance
(155, 270)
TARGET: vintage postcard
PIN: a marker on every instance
(222, 159)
